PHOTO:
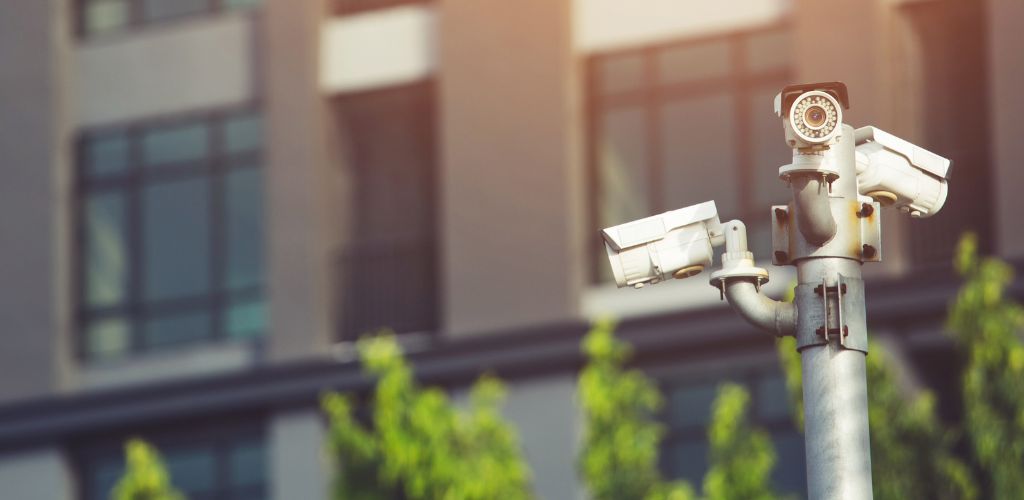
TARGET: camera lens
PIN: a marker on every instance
(814, 116)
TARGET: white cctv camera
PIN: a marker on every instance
(676, 244)
(812, 114)
(897, 173)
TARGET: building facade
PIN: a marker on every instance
(206, 201)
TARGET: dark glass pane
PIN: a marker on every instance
(175, 144)
(789, 475)
(772, 398)
(768, 50)
(241, 4)
(247, 462)
(769, 149)
(699, 153)
(620, 73)
(688, 461)
(155, 10)
(106, 155)
(391, 140)
(175, 244)
(192, 470)
(245, 241)
(624, 167)
(107, 338)
(243, 133)
(690, 406)
(694, 62)
(104, 477)
(176, 329)
(104, 15)
(106, 253)
(247, 319)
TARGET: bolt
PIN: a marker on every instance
(866, 209)
(869, 251)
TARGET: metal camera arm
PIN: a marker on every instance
(740, 282)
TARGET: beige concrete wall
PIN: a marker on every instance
(195, 64)
(302, 216)
(512, 187)
(1006, 74)
(36, 473)
(34, 160)
(298, 467)
(545, 414)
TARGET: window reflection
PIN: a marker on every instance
(105, 251)
(176, 239)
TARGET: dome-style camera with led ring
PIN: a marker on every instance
(812, 114)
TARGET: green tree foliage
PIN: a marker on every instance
(742, 458)
(619, 460)
(145, 477)
(987, 327)
(420, 443)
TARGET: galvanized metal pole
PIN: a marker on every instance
(832, 337)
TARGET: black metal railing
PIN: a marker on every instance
(389, 284)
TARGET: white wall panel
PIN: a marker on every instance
(608, 24)
(379, 48)
(187, 65)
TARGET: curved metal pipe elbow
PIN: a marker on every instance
(813, 213)
(767, 314)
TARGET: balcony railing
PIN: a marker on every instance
(389, 284)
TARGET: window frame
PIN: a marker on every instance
(651, 97)
(221, 434)
(214, 169)
(136, 20)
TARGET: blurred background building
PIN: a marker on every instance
(205, 201)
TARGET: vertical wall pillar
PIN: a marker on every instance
(297, 466)
(1006, 106)
(34, 153)
(512, 187)
(300, 217)
(36, 473)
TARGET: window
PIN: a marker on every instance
(97, 17)
(683, 123)
(227, 465)
(951, 40)
(388, 269)
(688, 414)
(170, 234)
(343, 7)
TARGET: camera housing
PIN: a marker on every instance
(675, 244)
(812, 114)
(897, 173)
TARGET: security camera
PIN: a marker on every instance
(675, 244)
(897, 173)
(812, 114)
